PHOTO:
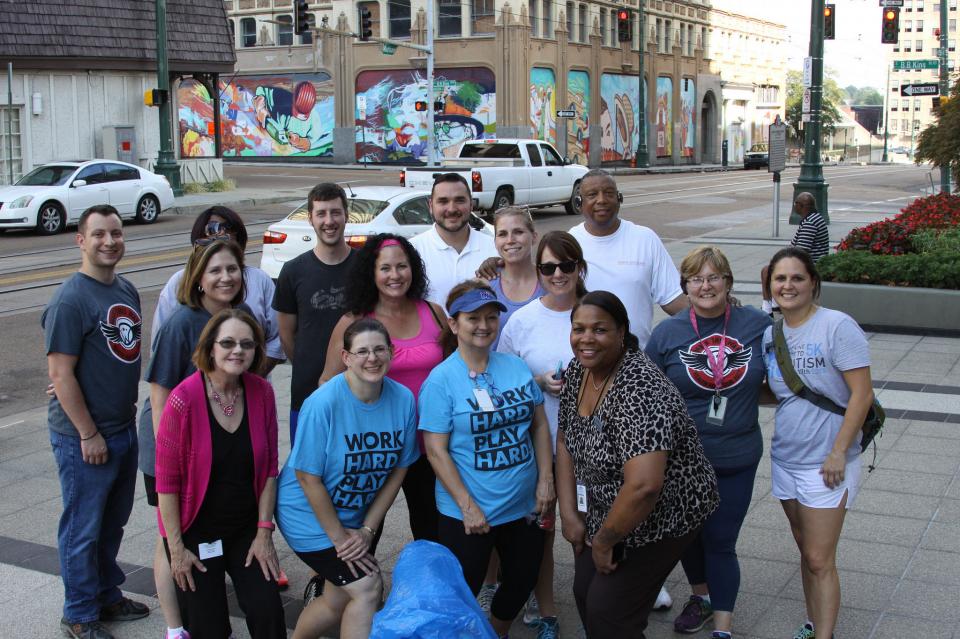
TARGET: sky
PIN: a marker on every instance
(856, 56)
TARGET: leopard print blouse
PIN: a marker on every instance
(642, 412)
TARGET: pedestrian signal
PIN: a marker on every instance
(420, 105)
(366, 24)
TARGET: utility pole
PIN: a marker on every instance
(643, 154)
(431, 132)
(886, 117)
(166, 160)
(944, 85)
(811, 169)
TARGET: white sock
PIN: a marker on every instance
(705, 598)
(174, 633)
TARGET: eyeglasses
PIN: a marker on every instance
(698, 281)
(217, 228)
(378, 352)
(229, 344)
(548, 268)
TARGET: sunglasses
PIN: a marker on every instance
(548, 268)
(229, 344)
(217, 228)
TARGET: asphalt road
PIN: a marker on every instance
(676, 206)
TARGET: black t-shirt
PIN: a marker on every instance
(314, 292)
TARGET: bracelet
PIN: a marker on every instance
(266, 525)
(373, 533)
(95, 433)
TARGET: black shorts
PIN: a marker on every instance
(326, 564)
(150, 487)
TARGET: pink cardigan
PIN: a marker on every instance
(185, 451)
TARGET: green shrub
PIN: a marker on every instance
(192, 188)
(218, 186)
(936, 269)
(929, 240)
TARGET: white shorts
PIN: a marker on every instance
(807, 487)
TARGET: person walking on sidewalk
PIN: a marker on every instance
(92, 331)
(812, 236)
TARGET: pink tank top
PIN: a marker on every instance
(414, 358)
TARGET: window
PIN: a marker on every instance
(919, 26)
(15, 160)
(284, 30)
(570, 34)
(919, 46)
(533, 13)
(248, 32)
(683, 39)
(951, 45)
(690, 42)
(121, 172)
(548, 30)
(704, 43)
(603, 27)
(768, 94)
(904, 125)
(952, 25)
(398, 12)
(894, 104)
(550, 156)
(413, 212)
(895, 86)
(93, 174)
(583, 23)
(534, 155)
(448, 18)
(667, 36)
(306, 37)
(660, 35)
(908, 5)
(919, 5)
(916, 104)
(953, 5)
(908, 26)
(482, 17)
(906, 47)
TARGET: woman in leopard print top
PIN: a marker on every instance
(633, 483)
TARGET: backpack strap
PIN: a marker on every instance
(792, 379)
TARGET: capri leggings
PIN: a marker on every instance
(712, 557)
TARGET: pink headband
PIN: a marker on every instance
(388, 242)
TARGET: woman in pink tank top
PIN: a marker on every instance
(388, 283)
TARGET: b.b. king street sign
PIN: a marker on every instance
(916, 64)
(926, 88)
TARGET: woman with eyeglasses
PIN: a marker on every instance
(517, 284)
(713, 353)
(356, 437)
(488, 440)
(217, 483)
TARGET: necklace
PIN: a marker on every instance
(602, 384)
(226, 407)
(595, 420)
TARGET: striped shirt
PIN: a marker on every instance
(812, 236)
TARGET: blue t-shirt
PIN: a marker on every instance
(353, 447)
(492, 450)
(512, 306)
(675, 348)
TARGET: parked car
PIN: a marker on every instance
(54, 195)
(757, 157)
(508, 171)
(371, 210)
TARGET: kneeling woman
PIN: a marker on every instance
(356, 437)
(488, 441)
(216, 478)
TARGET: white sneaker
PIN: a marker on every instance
(485, 597)
(531, 612)
(664, 601)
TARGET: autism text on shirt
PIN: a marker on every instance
(809, 357)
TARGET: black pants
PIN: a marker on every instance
(419, 489)
(205, 613)
(520, 546)
(618, 604)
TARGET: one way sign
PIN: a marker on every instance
(927, 88)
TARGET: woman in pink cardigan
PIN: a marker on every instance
(217, 483)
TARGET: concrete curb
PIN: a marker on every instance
(244, 200)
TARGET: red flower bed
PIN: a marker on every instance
(891, 236)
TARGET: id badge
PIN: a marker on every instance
(581, 498)
(483, 399)
(212, 549)
(716, 410)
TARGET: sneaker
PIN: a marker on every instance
(485, 598)
(664, 601)
(549, 628)
(89, 630)
(313, 590)
(531, 612)
(720, 634)
(694, 616)
(124, 610)
(181, 634)
(805, 632)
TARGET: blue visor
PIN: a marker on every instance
(473, 300)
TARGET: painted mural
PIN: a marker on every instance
(264, 116)
(392, 130)
(619, 117)
(543, 104)
(664, 117)
(688, 115)
(578, 128)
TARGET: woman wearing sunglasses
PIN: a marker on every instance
(532, 334)
(217, 483)
(517, 284)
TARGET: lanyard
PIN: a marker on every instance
(717, 362)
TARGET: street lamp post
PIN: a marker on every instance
(643, 155)
(166, 161)
(944, 85)
(886, 118)
(811, 170)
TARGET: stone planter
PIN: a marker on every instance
(896, 308)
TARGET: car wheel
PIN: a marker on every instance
(148, 210)
(572, 206)
(504, 197)
(51, 219)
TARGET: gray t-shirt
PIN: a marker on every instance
(99, 324)
(825, 346)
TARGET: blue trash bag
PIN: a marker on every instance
(430, 599)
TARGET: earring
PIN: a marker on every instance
(199, 288)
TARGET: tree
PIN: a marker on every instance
(863, 96)
(832, 96)
(939, 143)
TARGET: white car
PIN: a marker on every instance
(372, 210)
(54, 195)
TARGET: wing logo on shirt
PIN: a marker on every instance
(122, 332)
(736, 360)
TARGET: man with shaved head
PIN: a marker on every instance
(811, 236)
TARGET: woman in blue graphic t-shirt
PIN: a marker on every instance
(356, 437)
(488, 441)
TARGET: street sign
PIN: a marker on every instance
(806, 101)
(805, 117)
(891, 3)
(901, 65)
(925, 88)
(566, 113)
(777, 146)
(388, 48)
(807, 71)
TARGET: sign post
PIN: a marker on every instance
(776, 162)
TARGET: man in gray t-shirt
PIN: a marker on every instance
(92, 334)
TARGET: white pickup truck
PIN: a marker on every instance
(508, 171)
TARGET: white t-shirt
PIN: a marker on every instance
(541, 338)
(445, 267)
(634, 265)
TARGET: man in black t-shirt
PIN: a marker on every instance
(309, 299)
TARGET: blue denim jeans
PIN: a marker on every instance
(97, 501)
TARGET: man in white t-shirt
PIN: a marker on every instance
(624, 258)
(451, 250)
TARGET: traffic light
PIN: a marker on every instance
(155, 97)
(890, 32)
(829, 25)
(301, 17)
(366, 24)
(420, 105)
(624, 27)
